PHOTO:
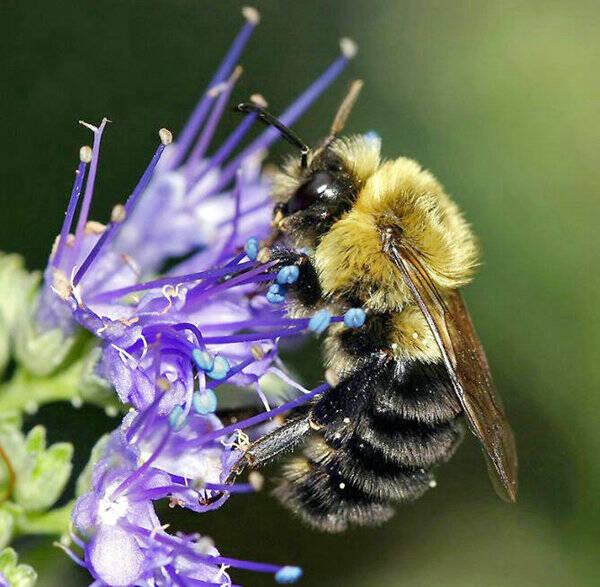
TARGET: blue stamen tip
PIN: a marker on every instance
(355, 317)
(205, 403)
(175, 420)
(251, 248)
(288, 574)
(220, 368)
(320, 321)
(276, 293)
(288, 274)
(203, 359)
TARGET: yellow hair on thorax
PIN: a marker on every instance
(399, 193)
(359, 154)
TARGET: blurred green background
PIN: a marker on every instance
(500, 101)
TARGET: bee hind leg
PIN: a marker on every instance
(267, 448)
(281, 440)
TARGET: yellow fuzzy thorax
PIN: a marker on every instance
(350, 258)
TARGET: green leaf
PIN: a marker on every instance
(13, 445)
(41, 353)
(18, 575)
(7, 526)
(41, 474)
(9, 515)
(45, 480)
(16, 287)
(36, 439)
(5, 344)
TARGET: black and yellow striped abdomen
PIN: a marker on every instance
(377, 436)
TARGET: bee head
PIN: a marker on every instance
(315, 189)
(316, 197)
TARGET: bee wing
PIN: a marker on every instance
(467, 366)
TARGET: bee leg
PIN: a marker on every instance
(306, 288)
(267, 448)
(271, 445)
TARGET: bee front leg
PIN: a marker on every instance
(302, 283)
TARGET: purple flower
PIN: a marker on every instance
(184, 202)
(184, 206)
(177, 345)
(115, 524)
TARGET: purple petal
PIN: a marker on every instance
(115, 557)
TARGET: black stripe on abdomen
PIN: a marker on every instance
(380, 433)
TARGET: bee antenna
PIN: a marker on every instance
(344, 110)
(288, 134)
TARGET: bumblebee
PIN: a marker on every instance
(385, 237)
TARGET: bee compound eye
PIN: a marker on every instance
(321, 185)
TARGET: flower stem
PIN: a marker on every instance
(55, 521)
(25, 392)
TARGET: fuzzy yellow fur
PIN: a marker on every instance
(400, 193)
(350, 257)
(297, 468)
(285, 181)
(359, 155)
(318, 450)
(412, 337)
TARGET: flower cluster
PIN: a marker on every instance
(178, 345)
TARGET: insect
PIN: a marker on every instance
(382, 236)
